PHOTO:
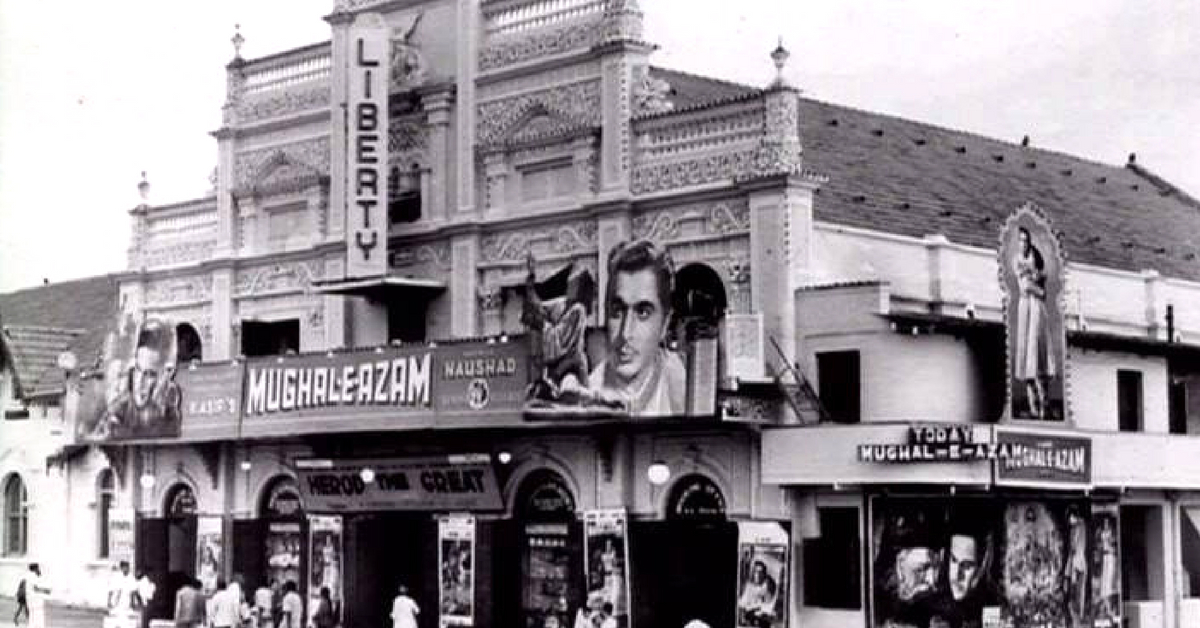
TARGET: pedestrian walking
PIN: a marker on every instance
(404, 610)
(189, 605)
(22, 601)
(264, 606)
(293, 607)
(37, 590)
(225, 610)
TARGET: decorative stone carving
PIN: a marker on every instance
(491, 298)
(251, 165)
(286, 277)
(749, 408)
(577, 102)
(316, 317)
(659, 227)
(577, 237)
(737, 269)
(408, 64)
(437, 254)
(650, 95)
(179, 253)
(345, 6)
(707, 169)
(539, 44)
(729, 217)
(622, 22)
(283, 102)
(408, 142)
(181, 290)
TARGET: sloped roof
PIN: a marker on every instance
(40, 323)
(896, 175)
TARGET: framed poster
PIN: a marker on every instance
(456, 573)
(762, 582)
(208, 552)
(324, 561)
(606, 556)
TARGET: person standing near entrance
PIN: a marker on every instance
(224, 607)
(292, 614)
(189, 605)
(404, 610)
(36, 592)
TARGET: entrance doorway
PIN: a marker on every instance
(390, 549)
(166, 549)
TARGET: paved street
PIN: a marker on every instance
(59, 616)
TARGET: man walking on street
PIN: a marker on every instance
(189, 605)
(36, 592)
(293, 607)
(22, 601)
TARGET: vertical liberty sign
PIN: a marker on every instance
(366, 211)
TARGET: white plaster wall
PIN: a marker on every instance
(1093, 393)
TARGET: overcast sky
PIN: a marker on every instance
(92, 93)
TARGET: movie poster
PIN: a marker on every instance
(208, 552)
(1032, 278)
(133, 394)
(1106, 567)
(121, 525)
(606, 555)
(656, 354)
(968, 561)
(324, 562)
(762, 582)
(456, 578)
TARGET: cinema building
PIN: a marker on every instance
(888, 330)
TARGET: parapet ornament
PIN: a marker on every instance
(577, 102)
(282, 103)
(408, 64)
(538, 44)
(576, 237)
(650, 96)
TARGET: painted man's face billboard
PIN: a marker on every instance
(1031, 275)
(993, 561)
(135, 395)
(637, 364)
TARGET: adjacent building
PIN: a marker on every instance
(909, 356)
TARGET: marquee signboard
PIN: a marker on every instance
(450, 483)
(1042, 459)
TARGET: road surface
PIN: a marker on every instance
(57, 616)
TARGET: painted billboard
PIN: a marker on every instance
(967, 561)
(1032, 276)
(657, 353)
(134, 393)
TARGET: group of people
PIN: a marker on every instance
(273, 606)
(639, 374)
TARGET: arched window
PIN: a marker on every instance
(106, 494)
(696, 498)
(16, 517)
(180, 501)
(187, 344)
(699, 301)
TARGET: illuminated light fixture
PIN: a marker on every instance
(378, 349)
(658, 473)
(503, 338)
(147, 481)
(504, 457)
(246, 464)
(367, 475)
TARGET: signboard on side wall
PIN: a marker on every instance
(121, 522)
(366, 147)
(1043, 460)
(477, 378)
(1032, 278)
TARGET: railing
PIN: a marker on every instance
(287, 69)
(539, 15)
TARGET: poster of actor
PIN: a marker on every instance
(607, 560)
(132, 393)
(208, 553)
(762, 575)
(324, 562)
(635, 372)
(456, 580)
(1032, 278)
(1106, 568)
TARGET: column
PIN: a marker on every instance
(438, 194)
(226, 209)
(221, 346)
(469, 33)
(464, 282)
(336, 228)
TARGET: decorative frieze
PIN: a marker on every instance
(703, 220)
(250, 166)
(280, 103)
(275, 278)
(650, 94)
(179, 252)
(436, 254)
(576, 237)
(578, 102)
(689, 172)
(522, 47)
(173, 291)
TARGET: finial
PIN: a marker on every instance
(144, 188)
(1025, 141)
(780, 56)
(1132, 158)
(237, 40)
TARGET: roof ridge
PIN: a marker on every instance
(111, 276)
(1166, 187)
(964, 133)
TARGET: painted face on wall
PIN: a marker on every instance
(145, 374)
(637, 321)
(963, 565)
(916, 572)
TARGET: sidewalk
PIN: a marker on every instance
(60, 614)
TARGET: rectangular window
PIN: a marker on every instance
(832, 561)
(1129, 401)
(1177, 402)
(104, 507)
(406, 321)
(270, 338)
(838, 373)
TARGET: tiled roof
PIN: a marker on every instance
(40, 323)
(901, 176)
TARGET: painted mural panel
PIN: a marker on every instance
(970, 562)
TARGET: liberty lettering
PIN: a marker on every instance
(362, 60)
